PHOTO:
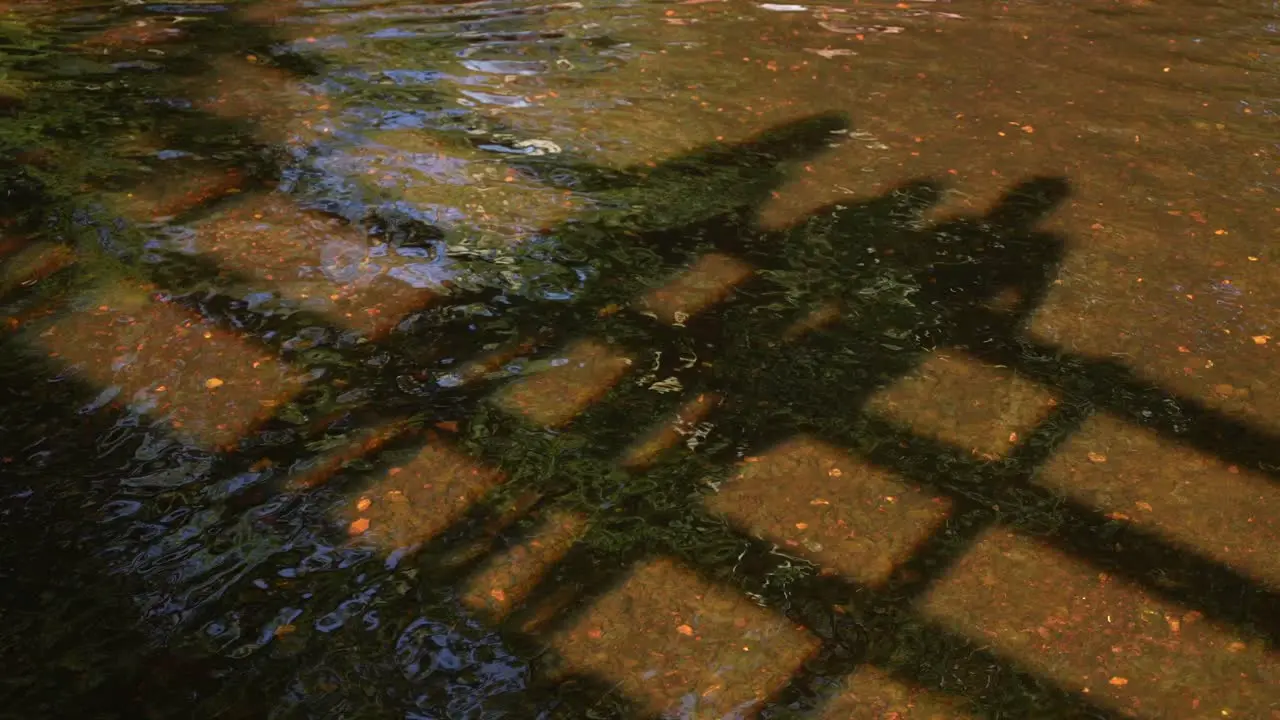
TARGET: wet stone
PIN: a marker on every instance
(361, 444)
(575, 378)
(34, 263)
(682, 646)
(182, 189)
(708, 281)
(134, 34)
(461, 186)
(1101, 636)
(682, 427)
(313, 261)
(827, 505)
(274, 102)
(873, 694)
(415, 502)
(506, 579)
(211, 386)
(960, 401)
(1195, 501)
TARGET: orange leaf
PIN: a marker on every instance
(685, 630)
(358, 527)
(1119, 681)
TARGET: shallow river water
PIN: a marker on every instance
(636, 359)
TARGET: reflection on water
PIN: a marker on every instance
(639, 359)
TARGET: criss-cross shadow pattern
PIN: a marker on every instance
(804, 498)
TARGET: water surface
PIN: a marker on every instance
(640, 359)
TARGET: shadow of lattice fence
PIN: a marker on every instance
(803, 472)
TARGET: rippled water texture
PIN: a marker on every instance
(702, 359)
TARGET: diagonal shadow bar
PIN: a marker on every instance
(983, 474)
(1202, 583)
(1115, 388)
(971, 485)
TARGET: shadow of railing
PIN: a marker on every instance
(72, 633)
(776, 372)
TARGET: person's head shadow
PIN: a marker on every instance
(989, 273)
(856, 296)
(961, 272)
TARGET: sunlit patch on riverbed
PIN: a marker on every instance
(684, 646)
(823, 503)
(208, 385)
(1102, 636)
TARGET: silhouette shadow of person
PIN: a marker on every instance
(858, 294)
(843, 302)
(998, 263)
(896, 289)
